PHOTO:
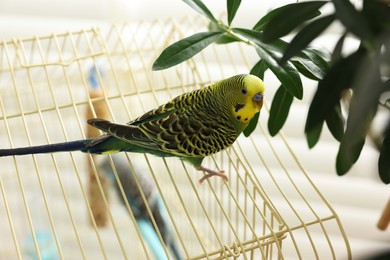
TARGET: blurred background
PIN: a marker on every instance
(358, 198)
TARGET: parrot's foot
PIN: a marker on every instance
(209, 173)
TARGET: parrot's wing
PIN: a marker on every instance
(162, 111)
(128, 133)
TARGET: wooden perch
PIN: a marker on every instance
(385, 217)
(98, 207)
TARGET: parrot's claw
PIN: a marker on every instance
(209, 173)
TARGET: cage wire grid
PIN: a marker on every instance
(270, 208)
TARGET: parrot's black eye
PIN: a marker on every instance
(244, 91)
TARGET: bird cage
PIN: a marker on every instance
(61, 206)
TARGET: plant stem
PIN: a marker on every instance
(235, 35)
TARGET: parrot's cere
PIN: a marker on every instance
(191, 126)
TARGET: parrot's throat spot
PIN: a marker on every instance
(239, 118)
(243, 112)
(238, 107)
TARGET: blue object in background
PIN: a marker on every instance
(93, 77)
(138, 207)
(46, 243)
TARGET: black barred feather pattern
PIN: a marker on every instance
(191, 126)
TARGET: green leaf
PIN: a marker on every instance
(185, 49)
(259, 69)
(302, 67)
(199, 6)
(313, 135)
(335, 122)
(306, 36)
(232, 7)
(252, 125)
(279, 110)
(377, 14)
(226, 38)
(311, 63)
(289, 18)
(352, 19)
(259, 26)
(339, 77)
(385, 99)
(287, 74)
(319, 57)
(337, 51)
(367, 88)
(348, 154)
(384, 158)
(214, 27)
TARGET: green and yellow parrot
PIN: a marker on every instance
(191, 126)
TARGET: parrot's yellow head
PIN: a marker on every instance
(246, 98)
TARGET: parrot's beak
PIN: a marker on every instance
(258, 101)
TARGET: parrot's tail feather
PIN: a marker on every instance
(79, 145)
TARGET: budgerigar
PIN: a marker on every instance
(138, 206)
(191, 126)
